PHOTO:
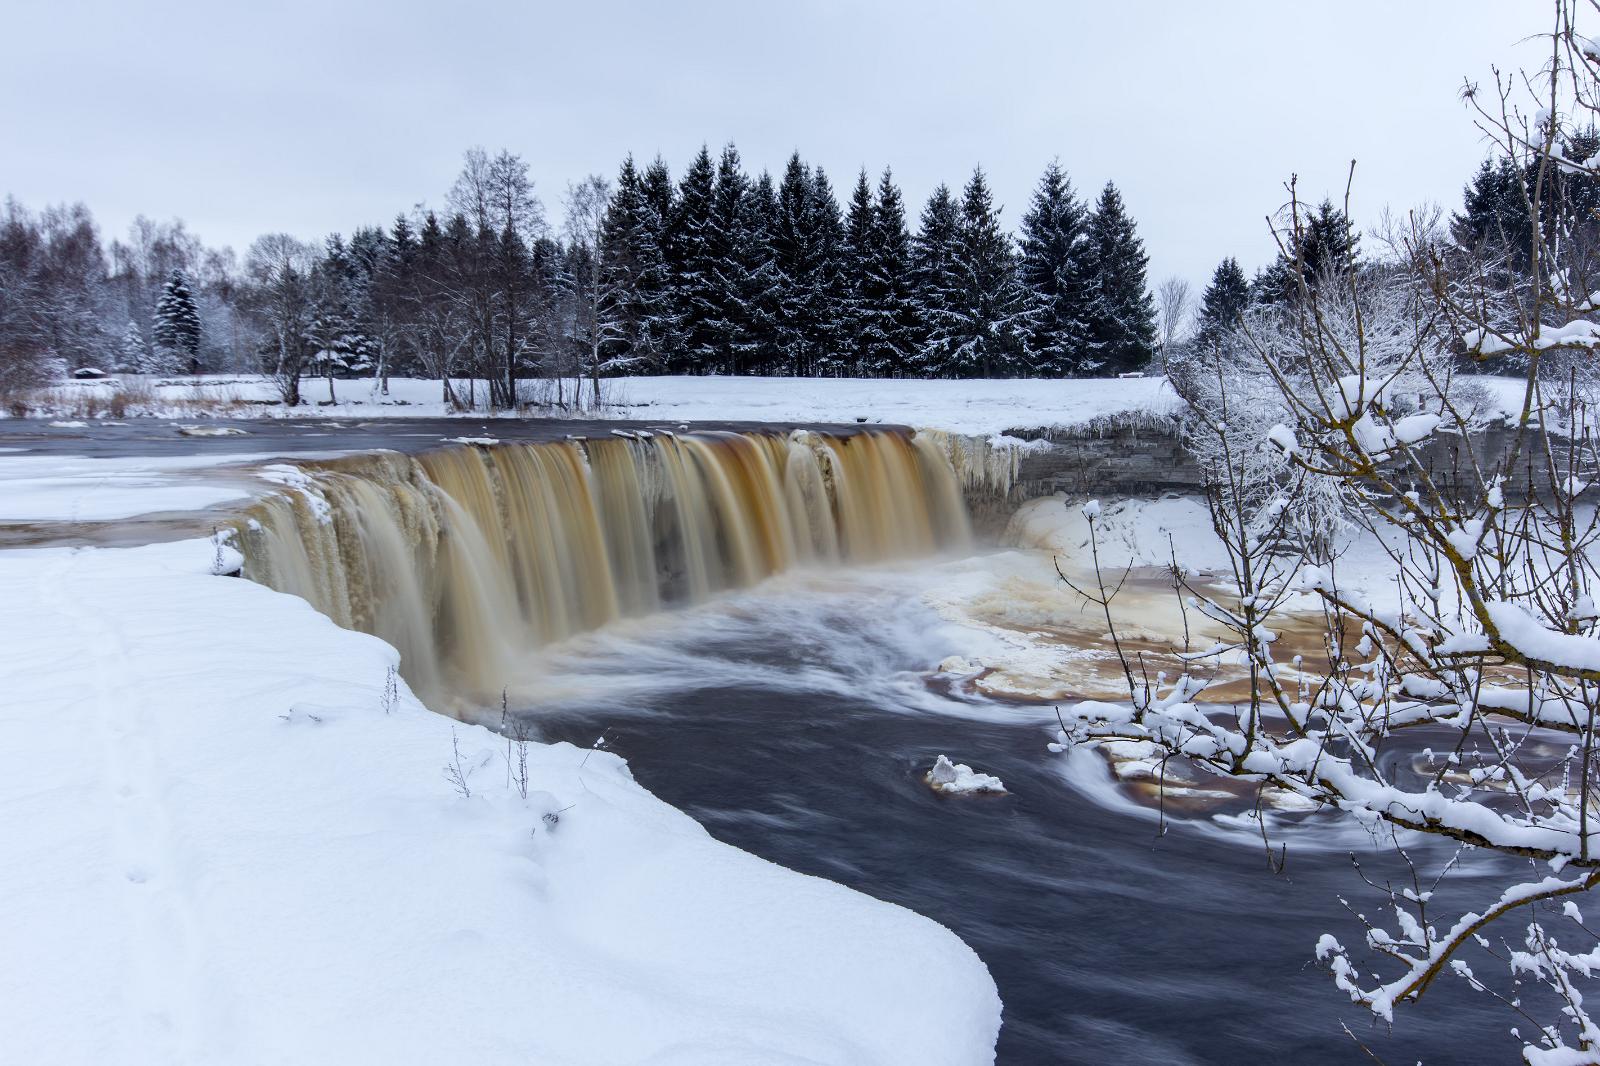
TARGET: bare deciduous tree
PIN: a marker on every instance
(595, 322)
(1458, 698)
(282, 299)
(1174, 309)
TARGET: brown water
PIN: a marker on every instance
(467, 557)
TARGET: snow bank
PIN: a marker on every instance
(221, 848)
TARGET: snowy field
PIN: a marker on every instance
(974, 407)
(223, 847)
(977, 407)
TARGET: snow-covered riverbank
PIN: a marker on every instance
(973, 407)
(223, 848)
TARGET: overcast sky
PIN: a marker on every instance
(314, 117)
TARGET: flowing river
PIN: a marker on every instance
(753, 621)
(794, 721)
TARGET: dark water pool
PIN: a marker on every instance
(1109, 942)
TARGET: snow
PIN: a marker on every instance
(980, 407)
(977, 407)
(1579, 333)
(211, 431)
(1128, 532)
(1283, 437)
(1414, 429)
(959, 779)
(1523, 632)
(221, 847)
(46, 488)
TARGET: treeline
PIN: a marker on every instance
(1489, 239)
(722, 273)
(716, 272)
(713, 272)
(68, 301)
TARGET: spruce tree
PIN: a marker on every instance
(855, 256)
(619, 237)
(892, 321)
(938, 281)
(1120, 318)
(730, 258)
(133, 356)
(339, 328)
(1492, 219)
(660, 333)
(1322, 246)
(696, 287)
(363, 258)
(1224, 300)
(762, 284)
(793, 260)
(990, 309)
(176, 325)
(391, 304)
(1331, 243)
(331, 347)
(1053, 272)
(1574, 201)
(823, 296)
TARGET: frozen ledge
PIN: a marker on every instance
(221, 848)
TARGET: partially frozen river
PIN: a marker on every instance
(796, 720)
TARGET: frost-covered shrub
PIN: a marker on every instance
(1483, 636)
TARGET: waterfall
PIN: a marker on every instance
(465, 558)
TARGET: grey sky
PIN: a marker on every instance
(320, 116)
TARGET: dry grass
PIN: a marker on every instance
(129, 397)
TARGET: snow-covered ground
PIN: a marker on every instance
(976, 407)
(973, 407)
(71, 488)
(222, 847)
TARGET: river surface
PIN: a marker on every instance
(795, 721)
